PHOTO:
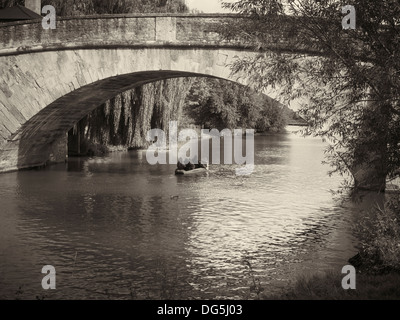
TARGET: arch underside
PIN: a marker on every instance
(52, 123)
(49, 92)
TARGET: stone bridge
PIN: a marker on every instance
(50, 79)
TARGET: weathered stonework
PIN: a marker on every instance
(34, 5)
(50, 79)
(47, 93)
(132, 31)
(59, 150)
(166, 29)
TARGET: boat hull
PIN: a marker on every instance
(190, 172)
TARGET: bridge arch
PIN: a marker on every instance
(50, 79)
(54, 100)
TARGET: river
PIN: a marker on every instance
(115, 227)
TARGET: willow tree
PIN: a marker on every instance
(347, 79)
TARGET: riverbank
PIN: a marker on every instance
(377, 264)
(328, 287)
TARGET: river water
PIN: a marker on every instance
(115, 227)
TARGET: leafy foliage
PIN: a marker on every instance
(221, 104)
(10, 3)
(379, 234)
(348, 81)
(124, 120)
(87, 7)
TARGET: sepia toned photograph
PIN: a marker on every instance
(200, 150)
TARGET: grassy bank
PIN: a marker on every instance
(377, 263)
(328, 287)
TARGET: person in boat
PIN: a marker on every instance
(202, 165)
(181, 165)
(198, 164)
(189, 166)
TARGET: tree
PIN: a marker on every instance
(221, 104)
(10, 3)
(85, 7)
(351, 83)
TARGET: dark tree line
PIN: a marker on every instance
(87, 7)
(10, 3)
(222, 104)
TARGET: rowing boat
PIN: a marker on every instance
(190, 172)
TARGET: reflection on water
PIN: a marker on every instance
(115, 227)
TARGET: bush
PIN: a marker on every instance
(328, 287)
(379, 234)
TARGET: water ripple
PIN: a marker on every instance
(117, 228)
